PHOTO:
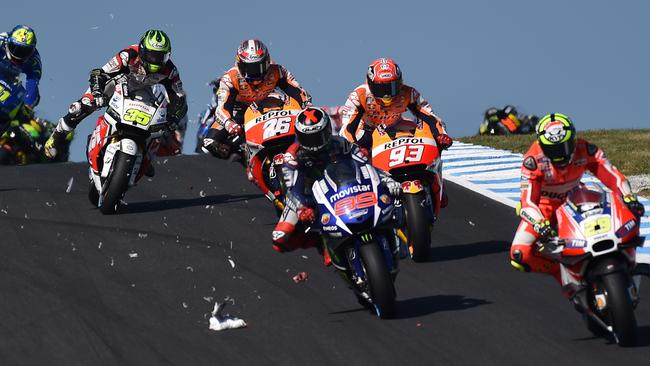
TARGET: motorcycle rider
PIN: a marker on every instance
(506, 121)
(551, 169)
(18, 55)
(149, 62)
(382, 99)
(304, 163)
(252, 78)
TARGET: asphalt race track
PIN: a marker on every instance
(79, 288)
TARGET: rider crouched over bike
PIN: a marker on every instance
(252, 79)
(551, 169)
(149, 62)
(382, 99)
(304, 163)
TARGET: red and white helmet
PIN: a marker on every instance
(384, 79)
(253, 60)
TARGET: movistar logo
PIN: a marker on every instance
(350, 190)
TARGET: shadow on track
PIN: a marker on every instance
(421, 306)
(643, 336)
(454, 252)
(151, 206)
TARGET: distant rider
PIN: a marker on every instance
(18, 55)
(305, 161)
(149, 62)
(252, 79)
(506, 121)
(551, 169)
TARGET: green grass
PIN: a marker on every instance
(628, 150)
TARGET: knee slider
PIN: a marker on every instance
(517, 261)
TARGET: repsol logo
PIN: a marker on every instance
(348, 191)
(404, 141)
(273, 114)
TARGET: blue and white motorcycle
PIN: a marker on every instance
(357, 219)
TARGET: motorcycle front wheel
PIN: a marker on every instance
(382, 289)
(117, 182)
(418, 225)
(620, 311)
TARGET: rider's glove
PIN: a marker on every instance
(552, 248)
(232, 127)
(393, 186)
(634, 205)
(544, 229)
(306, 215)
(444, 141)
(177, 111)
(98, 80)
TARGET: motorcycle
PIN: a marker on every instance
(269, 130)
(409, 153)
(356, 220)
(23, 135)
(124, 140)
(596, 244)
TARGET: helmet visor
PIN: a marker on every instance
(314, 141)
(253, 71)
(559, 154)
(385, 90)
(155, 57)
(20, 52)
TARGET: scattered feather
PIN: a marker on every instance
(69, 188)
(219, 321)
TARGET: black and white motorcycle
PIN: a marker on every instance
(125, 139)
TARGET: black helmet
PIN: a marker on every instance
(313, 129)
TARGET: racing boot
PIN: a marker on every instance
(56, 140)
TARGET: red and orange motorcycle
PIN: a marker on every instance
(269, 129)
(408, 151)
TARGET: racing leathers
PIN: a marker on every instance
(101, 89)
(362, 113)
(235, 94)
(300, 170)
(31, 67)
(544, 187)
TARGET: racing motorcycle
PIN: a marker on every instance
(269, 130)
(596, 246)
(22, 135)
(408, 152)
(356, 220)
(124, 140)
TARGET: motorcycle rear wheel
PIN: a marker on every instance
(620, 308)
(418, 225)
(382, 289)
(118, 182)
